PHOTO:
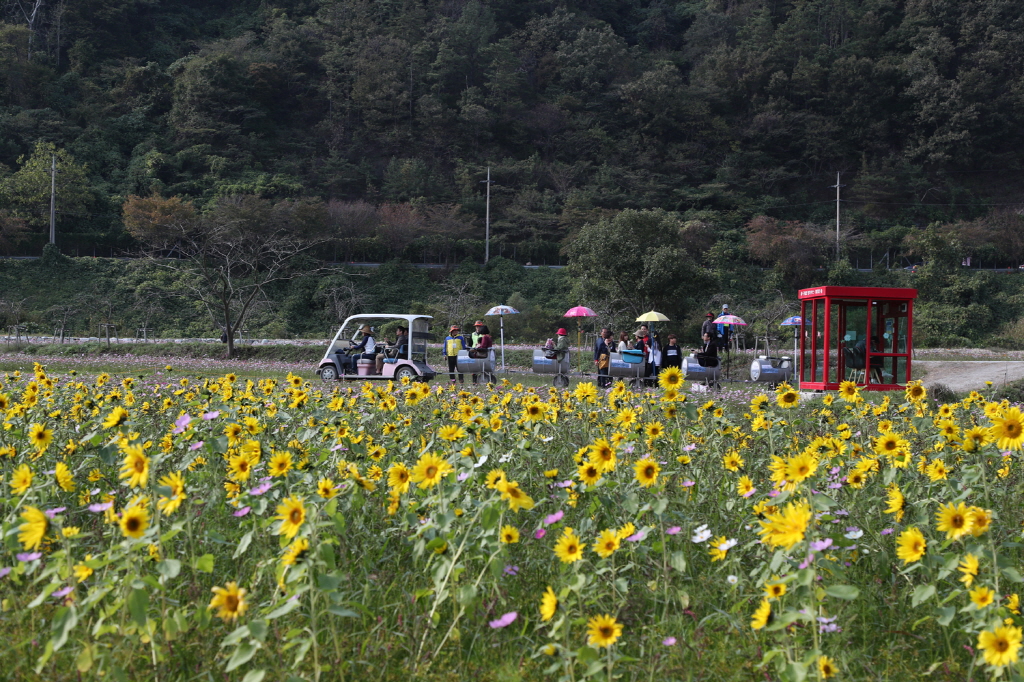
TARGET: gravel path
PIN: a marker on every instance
(969, 375)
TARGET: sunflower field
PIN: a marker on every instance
(238, 529)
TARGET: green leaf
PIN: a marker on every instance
(243, 545)
(490, 516)
(254, 676)
(258, 628)
(678, 561)
(922, 593)
(1012, 574)
(63, 623)
(169, 568)
(327, 583)
(242, 654)
(342, 612)
(946, 614)
(327, 555)
(284, 609)
(138, 606)
(205, 563)
(847, 592)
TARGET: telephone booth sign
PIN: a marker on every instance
(859, 334)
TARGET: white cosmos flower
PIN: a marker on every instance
(732, 580)
(728, 544)
(479, 464)
(701, 534)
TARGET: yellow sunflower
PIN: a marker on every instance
(607, 543)
(1007, 430)
(399, 478)
(229, 601)
(762, 615)
(954, 520)
(21, 479)
(292, 514)
(31, 533)
(509, 535)
(548, 604)
(647, 471)
(40, 436)
(603, 631)
(670, 378)
(430, 470)
(568, 548)
(911, 545)
(787, 527)
(1000, 646)
(134, 521)
(135, 467)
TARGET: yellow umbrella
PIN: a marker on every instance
(652, 316)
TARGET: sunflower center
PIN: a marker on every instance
(431, 471)
(1002, 645)
(606, 631)
(1012, 429)
(231, 602)
(295, 516)
(139, 466)
(957, 521)
(132, 524)
(649, 472)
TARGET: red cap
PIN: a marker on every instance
(478, 323)
(562, 332)
(454, 328)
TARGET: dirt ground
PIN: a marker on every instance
(968, 375)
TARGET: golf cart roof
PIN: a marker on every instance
(407, 318)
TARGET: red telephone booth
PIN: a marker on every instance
(861, 334)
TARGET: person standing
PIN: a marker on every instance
(623, 342)
(561, 345)
(672, 355)
(709, 327)
(724, 331)
(602, 357)
(453, 343)
(643, 344)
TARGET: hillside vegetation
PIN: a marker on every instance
(722, 124)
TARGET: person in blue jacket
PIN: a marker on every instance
(724, 331)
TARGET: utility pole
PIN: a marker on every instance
(837, 186)
(487, 229)
(53, 199)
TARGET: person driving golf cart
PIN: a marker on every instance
(365, 349)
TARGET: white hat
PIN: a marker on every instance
(725, 306)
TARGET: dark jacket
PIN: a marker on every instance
(672, 356)
(709, 327)
(600, 348)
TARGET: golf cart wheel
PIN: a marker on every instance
(404, 372)
(489, 378)
(561, 381)
(328, 374)
(636, 384)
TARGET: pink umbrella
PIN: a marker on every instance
(580, 311)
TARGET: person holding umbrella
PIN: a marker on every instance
(453, 343)
(724, 331)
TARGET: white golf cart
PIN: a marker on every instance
(407, 358)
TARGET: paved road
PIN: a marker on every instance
(969, 375)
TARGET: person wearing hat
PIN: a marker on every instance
(482, 343)
(366, 349)
(724, 331)
(453, 343)
(477, 334)
(643, 344)
(561, 345)
(709, 327)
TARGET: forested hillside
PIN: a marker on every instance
(722, 110)
(377, 120)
